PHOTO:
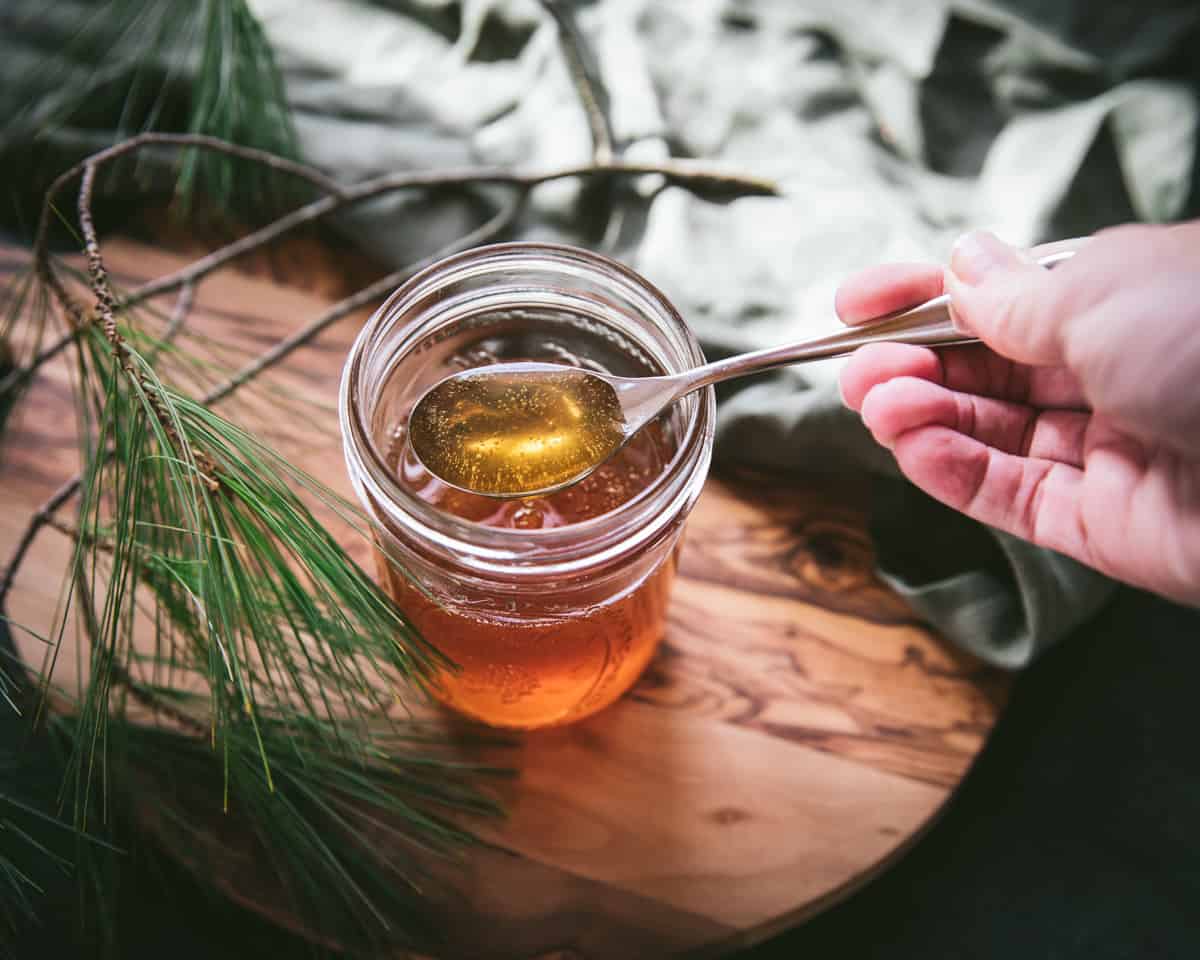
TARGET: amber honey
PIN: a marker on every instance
(552, 605)
(517, 432)
(542, 667)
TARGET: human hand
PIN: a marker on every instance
(1076, 423)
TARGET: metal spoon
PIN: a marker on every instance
(528, 429)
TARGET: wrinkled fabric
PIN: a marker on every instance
(890, 126)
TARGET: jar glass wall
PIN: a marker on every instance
(550, 607)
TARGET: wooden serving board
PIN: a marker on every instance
(797, 730)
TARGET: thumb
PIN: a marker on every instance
(999, 294)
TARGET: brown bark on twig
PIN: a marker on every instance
(585, 77)
(604, 165)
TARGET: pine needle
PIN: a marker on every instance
(239, 97)
(192, 523)
(172, 65)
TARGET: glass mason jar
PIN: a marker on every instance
(550, 609)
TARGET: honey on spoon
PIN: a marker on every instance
(517, 429)
(525, 429)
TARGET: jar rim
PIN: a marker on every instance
(495, 550)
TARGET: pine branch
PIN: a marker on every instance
(681, 173)
(203, 65)
(105, 316)
(295, 647)
(697, 177)
(369, 294)
(585, 77)
(179, 316)
(238, 97)
(41, 517)
(16, 377)
(218, 493)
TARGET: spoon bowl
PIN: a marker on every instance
(519, 429)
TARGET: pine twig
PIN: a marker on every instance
(74, 533)
(585, 77)
(500, 222)
(44, 515)
(133, 144)
(584, 73)
(119, 676)
(685, 173)
(179, 315)
(689, 174)
(15, 376)
(41, 517)
(105, 314)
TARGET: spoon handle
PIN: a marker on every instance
(928, 323)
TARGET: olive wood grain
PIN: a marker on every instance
(796, 731)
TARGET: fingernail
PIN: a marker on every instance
(953, 287)
(978, 253)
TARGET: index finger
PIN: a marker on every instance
(885, 288)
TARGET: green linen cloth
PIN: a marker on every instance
(890, 126)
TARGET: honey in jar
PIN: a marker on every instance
(550, 607)
(542, 667)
